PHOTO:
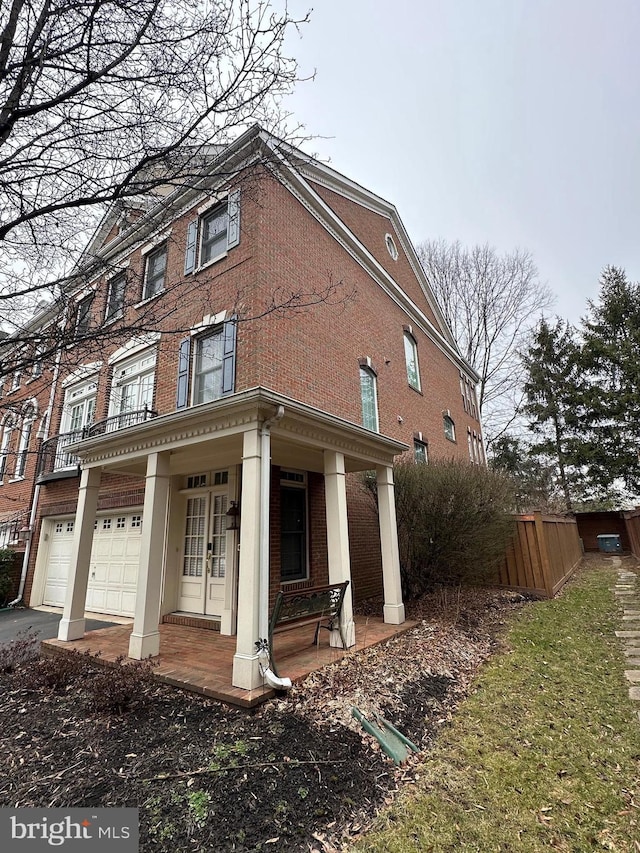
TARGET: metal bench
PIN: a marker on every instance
(304, 607)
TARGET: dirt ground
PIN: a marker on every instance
(298, 774)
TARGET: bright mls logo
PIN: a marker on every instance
(36, 830)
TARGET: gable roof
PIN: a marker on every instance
(298, 172)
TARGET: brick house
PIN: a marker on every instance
(273, 337)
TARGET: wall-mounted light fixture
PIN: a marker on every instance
(233, 516)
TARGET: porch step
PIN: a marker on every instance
(190, 621)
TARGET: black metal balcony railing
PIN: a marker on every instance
(121, 421)
(54, 457)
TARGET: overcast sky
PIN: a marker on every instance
(514, 122)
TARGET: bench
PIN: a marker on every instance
(307, 606)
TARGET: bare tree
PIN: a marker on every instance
(491, 303)
(103, 101)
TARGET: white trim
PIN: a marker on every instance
(209, 320)
(156, 241)
(212, 202)
(83, 372)
(133, 346)
(117, 269)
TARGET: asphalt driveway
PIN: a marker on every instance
(43, 623)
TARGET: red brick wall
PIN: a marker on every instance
(371, 229)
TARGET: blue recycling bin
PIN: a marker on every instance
(610, 543)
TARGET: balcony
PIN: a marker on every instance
(55, 462)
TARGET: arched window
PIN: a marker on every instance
(369, 395)
(28, 417)
(411, 359)
(5, 443)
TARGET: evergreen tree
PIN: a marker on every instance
(533, 476)
(553, 379)
(611, 361)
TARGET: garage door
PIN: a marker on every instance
(113, 570)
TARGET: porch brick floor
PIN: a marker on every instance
(201, 661)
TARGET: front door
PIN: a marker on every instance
(204, 566)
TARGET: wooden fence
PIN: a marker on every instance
(545, 551)
(632, 523)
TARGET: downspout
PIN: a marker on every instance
(43, 434)
(263, 602)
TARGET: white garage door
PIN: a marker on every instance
(113, 570)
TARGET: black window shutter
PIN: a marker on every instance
(229, 356)
(182, 392)
(190, 250)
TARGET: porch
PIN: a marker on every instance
(201, 660)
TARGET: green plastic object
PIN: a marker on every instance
(393, 742)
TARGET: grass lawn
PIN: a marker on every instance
(545, 755)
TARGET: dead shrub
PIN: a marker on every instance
(23, 649)
(59, 671)
(121, 687)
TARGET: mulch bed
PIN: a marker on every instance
(298, 774)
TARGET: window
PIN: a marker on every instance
(213, 241)
(78, 412)
(156, 268)
(15, 381)
(470, 444)
(214, 365)
(411, 359)
(293, 529)
(36, 367)
(420, 452)
(116, 296)
(83, 316)
(208, 368)
(132, 390)
(369, 395)
(449, 426)
(28, 417)
(210, 236)
(391, 246)
(5, 444)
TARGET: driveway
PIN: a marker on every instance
(43, 623)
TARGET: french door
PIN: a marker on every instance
(204, 563)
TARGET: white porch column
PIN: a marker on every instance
(246, 670)
(72, 623)
(145, 637)
(338, 540)
(393, 604)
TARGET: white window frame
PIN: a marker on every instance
(86, 300)
(8, 427)
(370, 373)
(218, 211)
(447, 421)
(117, 311)
(127, 372)
(419, 445)
(29, 416)
(411, 356)
(213, 331)
(161, 251)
